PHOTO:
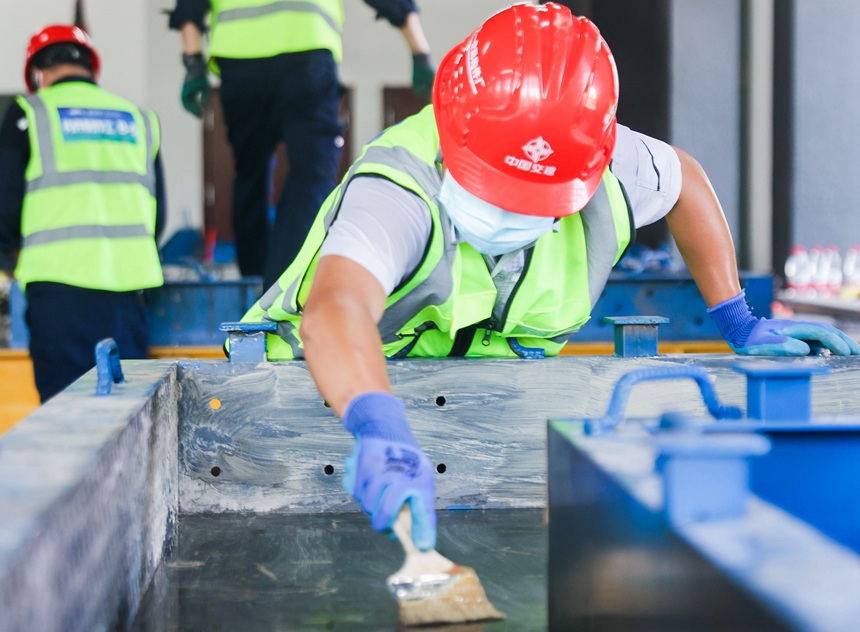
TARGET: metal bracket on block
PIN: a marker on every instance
(636, 336)
(248, 340)
(705, 476)
(779, 391)
(108, 368)
(615, 412)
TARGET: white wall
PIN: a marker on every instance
(826, 122)
(141, 61)
(375, 54)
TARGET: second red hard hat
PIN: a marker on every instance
(58, 34)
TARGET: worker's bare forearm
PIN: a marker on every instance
(339, 330)
(192, 40)
(414, 35)
(344, 354)
(702, 234)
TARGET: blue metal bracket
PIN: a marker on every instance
(635, 336)
(618, 402)
(108, 367)
(705, 476)
(779, 391)
(248, 340)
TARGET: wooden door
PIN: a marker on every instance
(398, 103)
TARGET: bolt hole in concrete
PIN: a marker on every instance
(326, 571)
(329, 470)
(216, 471)
(441, 401)
(441, 468)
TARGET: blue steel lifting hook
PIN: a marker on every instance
(107, 366)
(618, 402)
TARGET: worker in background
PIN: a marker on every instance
(82, 197)
(499, 249)
(279, 82)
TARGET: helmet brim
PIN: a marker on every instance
(545, 199)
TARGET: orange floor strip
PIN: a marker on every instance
(18, 395)
(664, 347)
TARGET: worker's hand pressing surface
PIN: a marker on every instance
(387, 468)
(795, 338)
(748, 335)
(422, 76)
(195, 88)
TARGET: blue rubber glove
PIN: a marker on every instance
(748, 335)
(387, 468)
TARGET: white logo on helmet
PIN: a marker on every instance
(474, 64)
(536, 150)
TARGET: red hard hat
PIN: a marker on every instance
(58, 34)
(525, 108)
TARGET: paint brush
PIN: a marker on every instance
(430, 588)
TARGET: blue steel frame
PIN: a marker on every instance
(691, 474)
(188, 313)
(669, 294)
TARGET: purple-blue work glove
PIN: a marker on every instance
(748, 335)
(387, 468)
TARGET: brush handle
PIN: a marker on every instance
(420, 564)
(402, 528)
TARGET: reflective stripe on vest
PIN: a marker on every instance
(246, 13)
(248, 29)
(452, 281)
(43, 237)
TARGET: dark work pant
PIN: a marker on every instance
(67, 322)
(292, 98)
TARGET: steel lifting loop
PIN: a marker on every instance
(108, 366)
(618, 402)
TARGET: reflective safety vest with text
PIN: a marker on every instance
(88, 217)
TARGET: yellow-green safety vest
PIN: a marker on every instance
(448, 304)
(88, 216)
(251, 29)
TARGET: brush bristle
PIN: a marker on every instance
(459, 600)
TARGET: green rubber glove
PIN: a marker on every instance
(195, 88)
(422, 76)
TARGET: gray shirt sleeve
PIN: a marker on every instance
(382, 227)
(650, 171)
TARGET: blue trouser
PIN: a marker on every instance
(65, 324)
(292, 98)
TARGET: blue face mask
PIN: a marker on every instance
(487, 228)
